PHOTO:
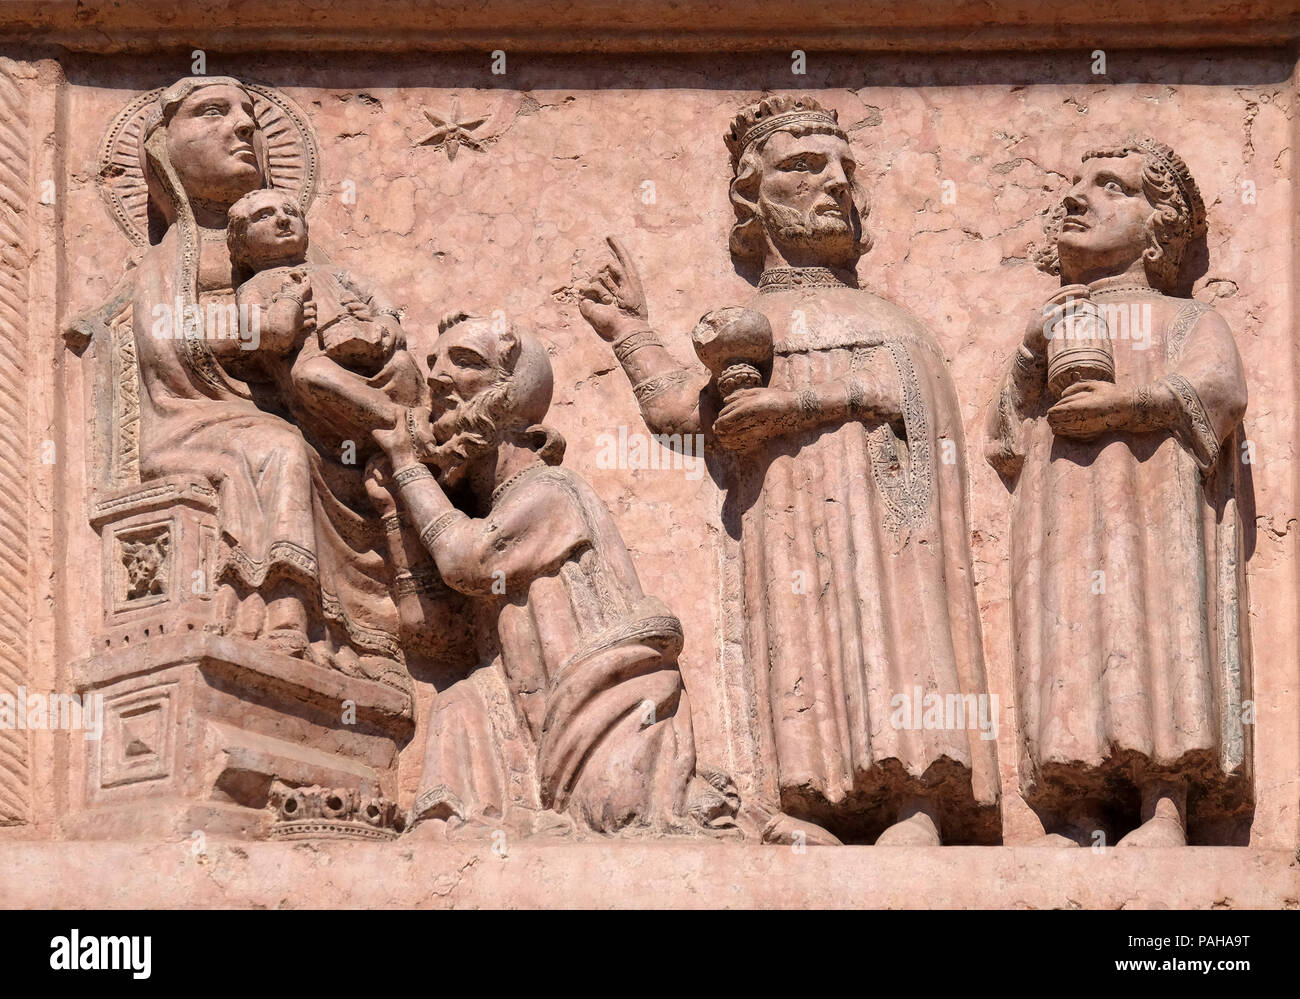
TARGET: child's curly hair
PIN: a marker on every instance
(1177, 219)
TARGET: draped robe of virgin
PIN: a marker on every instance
(284, 508)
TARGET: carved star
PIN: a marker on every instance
(450, 132)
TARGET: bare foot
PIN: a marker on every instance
(916, 830)
(1053, 839)
(786, 830)
(285, 610)
(547, 823)
(428, 830)
(250, 617)
(1156, 831)
(1162, 802)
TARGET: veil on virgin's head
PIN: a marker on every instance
(168, 201)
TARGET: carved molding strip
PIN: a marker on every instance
(149, 26)
(15, 457)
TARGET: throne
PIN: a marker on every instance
(198, 727)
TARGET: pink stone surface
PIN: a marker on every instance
(635, 875)
(961, 153)
(503, 229)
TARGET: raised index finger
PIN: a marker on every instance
(621, 258)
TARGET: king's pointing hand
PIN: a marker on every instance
(612, 299)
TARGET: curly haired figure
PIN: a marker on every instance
(1127, 552)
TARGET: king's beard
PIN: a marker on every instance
(809, 238)
(479, 415)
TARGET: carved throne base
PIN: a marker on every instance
(197, 727)
(158, 557)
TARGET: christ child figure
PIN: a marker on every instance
(329, 340)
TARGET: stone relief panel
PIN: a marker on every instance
(813, 287)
